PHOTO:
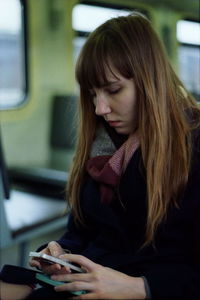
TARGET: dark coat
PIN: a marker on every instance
(115, 233)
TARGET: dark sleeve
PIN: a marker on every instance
(176, 278)
(75, 238)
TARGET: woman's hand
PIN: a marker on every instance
(53, 249)
(99, 282)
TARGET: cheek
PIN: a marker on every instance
(132, 106)
(132, 111)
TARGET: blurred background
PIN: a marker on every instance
(39, 44)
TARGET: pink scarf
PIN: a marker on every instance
(108, 169)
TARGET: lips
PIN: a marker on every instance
(114, 123)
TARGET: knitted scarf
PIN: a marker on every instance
(107, 164)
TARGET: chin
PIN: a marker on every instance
(122, 131)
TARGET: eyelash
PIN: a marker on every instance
(111, 92)
(114, 91)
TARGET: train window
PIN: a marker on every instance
(188, 35)
(96, 14)
(12, 54)
(188, 32)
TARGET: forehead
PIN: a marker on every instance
(92, 72)
(111, 76)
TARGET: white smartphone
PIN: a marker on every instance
(54, 260)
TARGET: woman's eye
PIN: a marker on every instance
(114, 91)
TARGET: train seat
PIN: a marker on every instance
(26, 215)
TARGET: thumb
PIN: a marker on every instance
(54, 248)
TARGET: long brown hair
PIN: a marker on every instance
(166, 112)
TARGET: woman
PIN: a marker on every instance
(134, 188)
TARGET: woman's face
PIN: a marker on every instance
(116, 102)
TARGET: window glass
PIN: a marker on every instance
(96, 15)
(189, 68)
(188, 34)
(12, 58)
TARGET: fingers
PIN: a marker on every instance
(74, 286)
(64, 270)
(36, 262)
(55, 249)
(50, 269)
(79, 281)
(86, 277)
(33, 262)
(83, 261)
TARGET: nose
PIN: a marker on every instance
(102, 106)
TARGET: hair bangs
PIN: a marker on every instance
(98, 60)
